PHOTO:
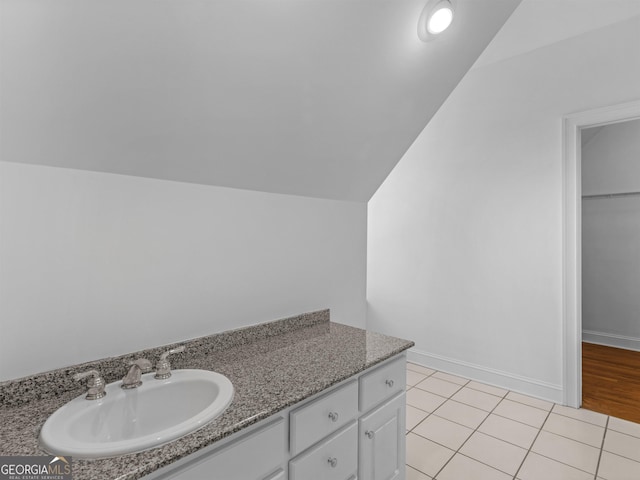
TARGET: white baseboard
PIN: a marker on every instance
(611, 340)
(490, 376)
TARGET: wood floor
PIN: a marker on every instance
(611, 381)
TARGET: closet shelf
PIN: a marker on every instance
(610, 195)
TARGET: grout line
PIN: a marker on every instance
(502, 398)
(624, 433)
(579, 419)
(517, 421)
(471, 434)
(555, 459)
(482, 463)
(451, 381)
(532, 443)
(575, 439)
(601, 449)
(526, 404)
(620, 454)
(506, 392)
(529, 450)
(463, 443)
(456, 384)
(563, 463)
(421, 409)
(469, 381)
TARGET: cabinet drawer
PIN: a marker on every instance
(382, 383)
(334, 459)
(254, 456)
(323, 416)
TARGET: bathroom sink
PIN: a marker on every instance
(128, 421)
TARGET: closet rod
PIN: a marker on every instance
(611, 195)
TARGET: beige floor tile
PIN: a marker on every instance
(521, 413)
(531, 401)
(414, 416)
(424, 400)
(461, 467)
(443, 431)
(509, 430)
(414, 367)
(496, 453)
(425, 455)
(565, 450)
(624, 426)
(581, 414)
(575, 429)
(498, 392)
(615, 467)
(451, 378)
(413, 474)
(622, 444)
(537, 467)
(460, 413)
(438, 386)
(475, 398)
(414, 377)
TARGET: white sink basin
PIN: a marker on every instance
(127, 421)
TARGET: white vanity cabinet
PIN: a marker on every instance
(354, 430)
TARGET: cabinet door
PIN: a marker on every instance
(382, 442)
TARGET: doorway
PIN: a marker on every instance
(610, 183)
(572, 243)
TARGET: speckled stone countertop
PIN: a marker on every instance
(272, 366)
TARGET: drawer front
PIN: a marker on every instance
(334, 459)
(383, 383)
(323, 416)
(265, 449)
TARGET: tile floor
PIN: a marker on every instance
(464, 430)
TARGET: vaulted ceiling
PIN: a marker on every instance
(308, 97)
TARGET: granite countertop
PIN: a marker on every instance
(272, 366)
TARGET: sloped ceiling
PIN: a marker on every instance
(308, 97)
(537, 23)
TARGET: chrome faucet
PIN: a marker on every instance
(132, 378)
(95, 384)
(163, 367)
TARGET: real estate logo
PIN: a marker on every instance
(45, 467)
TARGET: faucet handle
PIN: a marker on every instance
(163, 367)
(95, 384)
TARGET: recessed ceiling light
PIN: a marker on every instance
(436, 17)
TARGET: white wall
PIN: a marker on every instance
(94, 264)
(611, 237)
(465, 235)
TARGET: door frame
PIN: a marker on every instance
(572, 241)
